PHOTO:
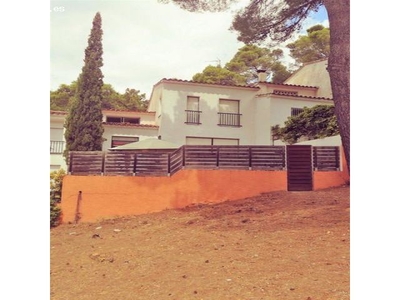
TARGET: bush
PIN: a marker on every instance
(56, 178)
(55, 213)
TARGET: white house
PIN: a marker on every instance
(188, 112)
(185, 112)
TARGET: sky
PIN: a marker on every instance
(143, 41)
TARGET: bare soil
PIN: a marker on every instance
(280, 246)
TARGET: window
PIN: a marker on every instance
(56, 140)
(193, 110)
(296, 111)
(118, 140)
(211, 141)
(122, 120)
(229, 113)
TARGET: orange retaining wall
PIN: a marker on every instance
(327, 179)
(105, 197)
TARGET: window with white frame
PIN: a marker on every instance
(211, 141)
(296, 111)
(119, 140)
(229, 112)
(193, 110)
(110, 119)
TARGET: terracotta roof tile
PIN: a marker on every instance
(295, 96)
(216, 84)
(130, 125)
(293, 85)
(126, 110)
(58, 112)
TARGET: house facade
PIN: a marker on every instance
(188, 112)
(185, 112)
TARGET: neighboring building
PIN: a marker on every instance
(185, 112)
(57, 141)
(120, 127)
(123, 127)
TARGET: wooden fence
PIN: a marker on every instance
(326, 158)
(167, 163)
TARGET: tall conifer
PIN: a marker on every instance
(84, 129)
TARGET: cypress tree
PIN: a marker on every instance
(84, 128)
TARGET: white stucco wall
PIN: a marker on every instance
(271, 110)
(141, 133)
(328, 141)
(281, 107)
(173, 106)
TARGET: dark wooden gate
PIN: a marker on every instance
(299, 167)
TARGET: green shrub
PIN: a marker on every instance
(56, 178)
(55, 213)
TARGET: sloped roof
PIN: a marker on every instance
(121, 124)
(58, 112)
(313, 74)
(204, 83)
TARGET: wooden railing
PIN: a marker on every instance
(167, 163)
(234, 157)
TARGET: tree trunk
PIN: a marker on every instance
(339, 66)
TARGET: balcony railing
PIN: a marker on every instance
(229, 119)
(193, 116)
(56, 147)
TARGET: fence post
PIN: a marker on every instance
(103, 158)
(169, 164)
(217, 156)
(183, 156)
(77, 211)
(70, 162)
(284, 151)
(250, 158)
(337, 158)
(134, 163)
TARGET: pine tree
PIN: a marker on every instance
(84, 129)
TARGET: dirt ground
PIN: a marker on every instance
(280, 246)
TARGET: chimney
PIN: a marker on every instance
(262, 75)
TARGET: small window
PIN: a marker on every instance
(193, 110)
(229, 106)
(229, 113)
(192, 103)
(122, 120)
(122, 140)
(211, 141)
(296, 111)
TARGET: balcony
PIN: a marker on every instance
(193, 116)
(56, 147)
(229, 119)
